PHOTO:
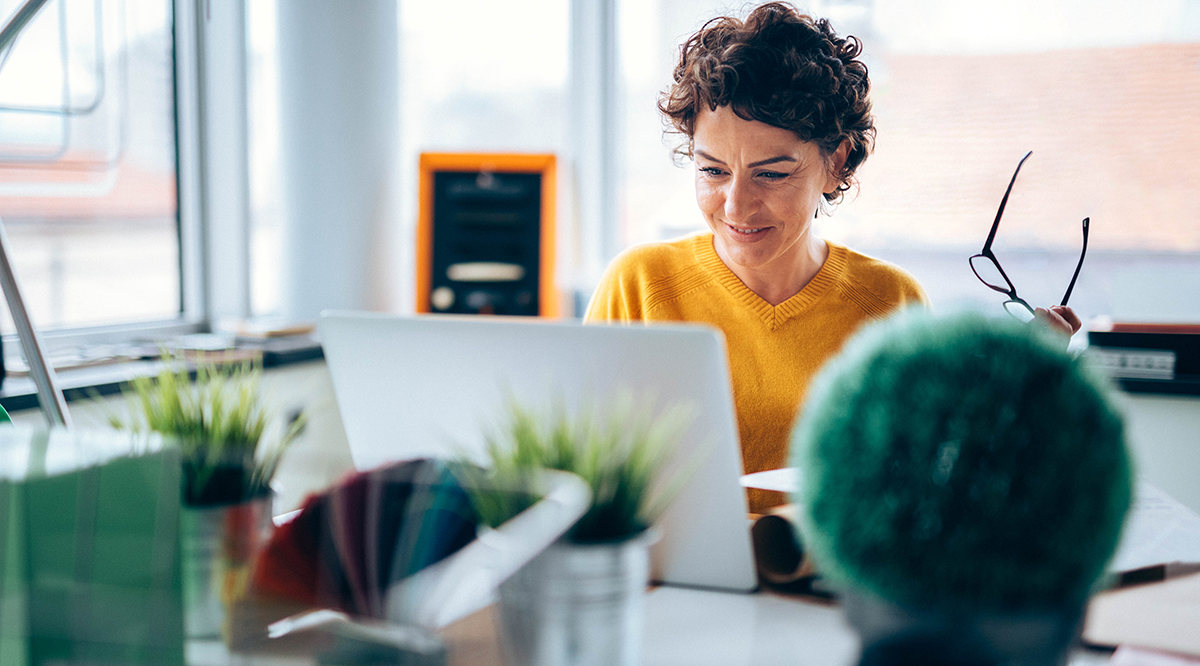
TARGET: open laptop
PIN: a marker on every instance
(410, 386)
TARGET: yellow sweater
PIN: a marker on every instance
(774, 351)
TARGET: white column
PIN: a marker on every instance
(595, 144)
(339, 132)
(225, 171)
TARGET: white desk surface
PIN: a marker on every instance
(702, 628)
(683, 626)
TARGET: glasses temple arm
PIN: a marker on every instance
(1003, 202)
(1082, 254)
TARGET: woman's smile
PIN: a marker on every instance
(748, 234)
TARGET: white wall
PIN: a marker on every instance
(1164, 434)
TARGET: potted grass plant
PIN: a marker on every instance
(580, 601)
(230, 453)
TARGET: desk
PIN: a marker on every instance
(704, 628)
(683, 627)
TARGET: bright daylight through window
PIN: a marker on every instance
(1106, 95)
(476, 76)
(88, 190)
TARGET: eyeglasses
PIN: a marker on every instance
(989, 272)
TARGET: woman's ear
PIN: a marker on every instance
(837, 161)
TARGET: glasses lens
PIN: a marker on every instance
(1019, 310)
(989, 274)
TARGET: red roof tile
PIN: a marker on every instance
(1115, 134)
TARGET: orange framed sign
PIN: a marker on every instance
(486, 234)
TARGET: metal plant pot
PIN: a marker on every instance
(893, 634)
(578, 605)
(219, 546)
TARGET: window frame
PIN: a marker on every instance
(209, 52)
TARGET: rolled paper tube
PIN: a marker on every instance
(777, 551)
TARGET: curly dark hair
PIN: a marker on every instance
(779, 67)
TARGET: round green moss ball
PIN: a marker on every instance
(962, 462)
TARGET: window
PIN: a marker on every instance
(1109, 106)
(88, 163)
(961, 91)
(483, 76)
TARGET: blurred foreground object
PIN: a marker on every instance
(965, 482)
(89, 548)
(349, 545)
(390, 556)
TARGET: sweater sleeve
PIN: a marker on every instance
(915, 296)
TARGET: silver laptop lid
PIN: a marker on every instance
(434, 385)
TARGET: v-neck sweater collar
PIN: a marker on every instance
(831, 273)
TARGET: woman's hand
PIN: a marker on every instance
(1058, 318)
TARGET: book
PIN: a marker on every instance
(1160, 616)
(1128, 655)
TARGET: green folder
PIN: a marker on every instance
(89, 548)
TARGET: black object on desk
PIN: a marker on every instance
(1145, 360)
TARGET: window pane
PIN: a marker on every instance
(266, 201)
(87, 163)
(480, 75)
(1110, 109)
(656, 199)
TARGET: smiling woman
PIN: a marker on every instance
(774, 112)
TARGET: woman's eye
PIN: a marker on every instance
(773, 175)
(711, 171)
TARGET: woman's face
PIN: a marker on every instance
(759, 187)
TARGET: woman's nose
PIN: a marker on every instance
(740, 200)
